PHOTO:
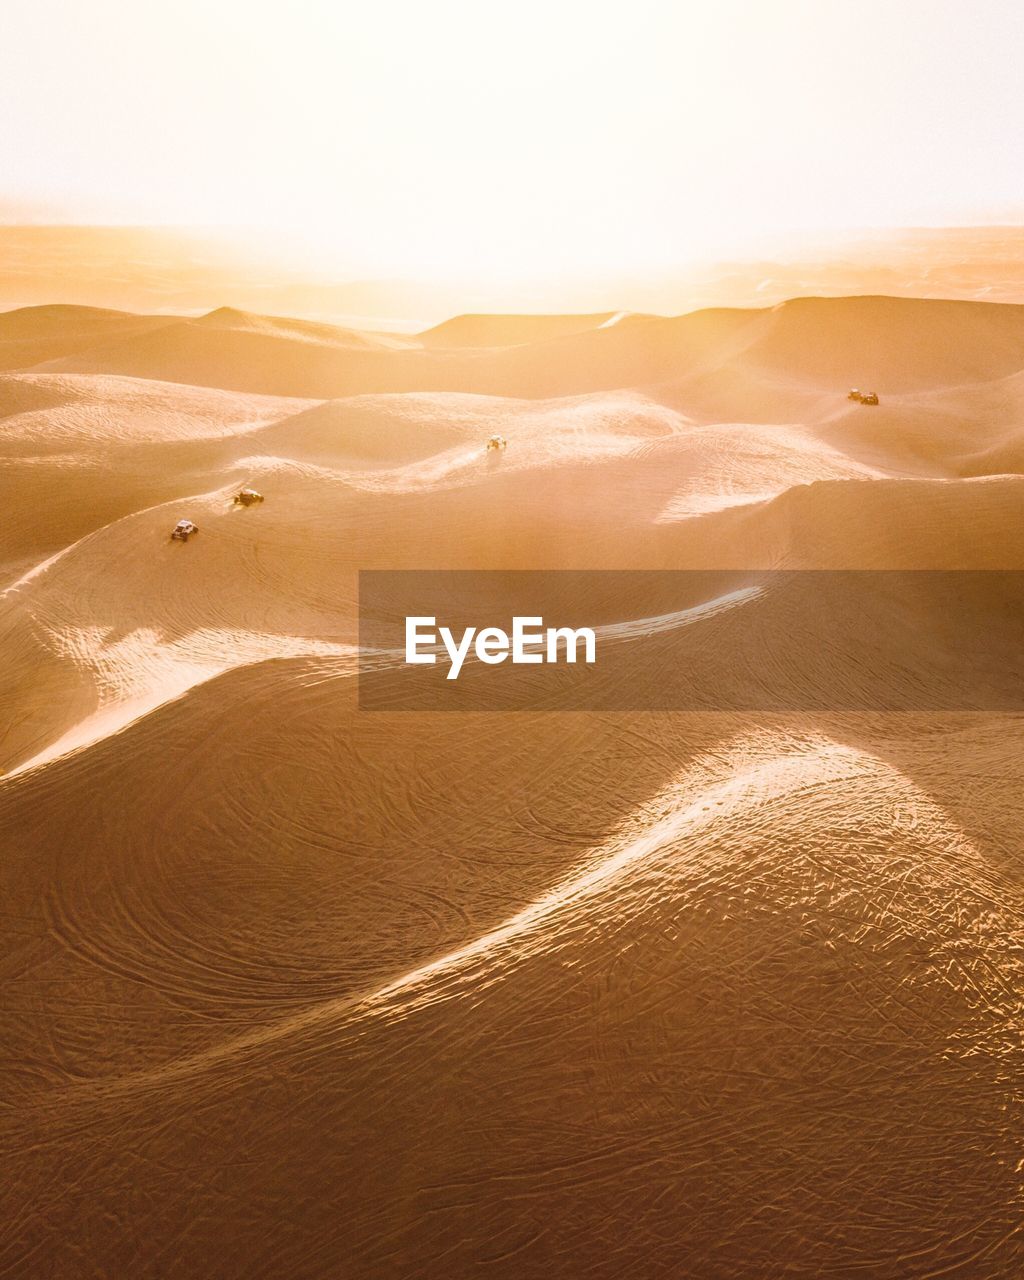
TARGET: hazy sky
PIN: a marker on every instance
(476, 135)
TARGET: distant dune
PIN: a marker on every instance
(34, 334)
(298, 990)
(507, 331)
(898, 343)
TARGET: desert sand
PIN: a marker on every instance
(295, 990)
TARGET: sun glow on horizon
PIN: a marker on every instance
(467, 138)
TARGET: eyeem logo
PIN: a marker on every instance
(530, 642)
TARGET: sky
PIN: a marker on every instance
(431, 136)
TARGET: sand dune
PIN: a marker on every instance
(32, 334)
(897, 343)
(776, 957)
(120, 443)
(505, 331)
(297, 989)
(893, 344)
